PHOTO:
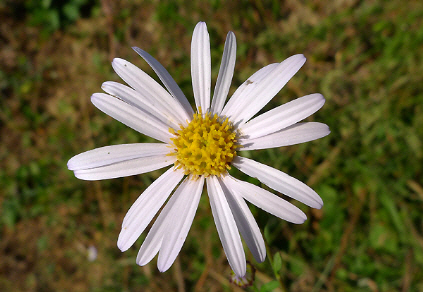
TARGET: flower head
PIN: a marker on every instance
(202, 146)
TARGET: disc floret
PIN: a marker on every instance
(206, 146)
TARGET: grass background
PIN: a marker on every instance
(365, 57)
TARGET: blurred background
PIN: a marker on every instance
(59, 233)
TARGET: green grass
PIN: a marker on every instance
(365, 57)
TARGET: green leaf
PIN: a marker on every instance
(277, 262)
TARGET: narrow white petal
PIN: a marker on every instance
(279, 181)
(141, 101)
(226, 227)
(225, 75)
(143, 83)
(266, 200)
(263, 91)
(201, 66)
(146, 206)
(282, 116)
(154, 239)
(167, 80)
(125, 168)
(116, 153)
(295, 134)
(132, 117)
(238, 101)
(151, 245)
(246, 223)
(179, 221)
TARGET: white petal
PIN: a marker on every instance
(226, 227)
(146, 206)
(154, 239)
(179, 221)
(125, 168)
(263, 91)
(225, 74)
(116, 153)
(246, 223)
(237, 100)
(282, 116)
(167, 80)
(266, 200)
(201, 66)
(151, 245)
(131, 116)
(279, 181)
(295, 134)
(143, 83)
(141, 101)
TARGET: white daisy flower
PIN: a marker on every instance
(202, 146)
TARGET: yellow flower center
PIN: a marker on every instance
(206, 146)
